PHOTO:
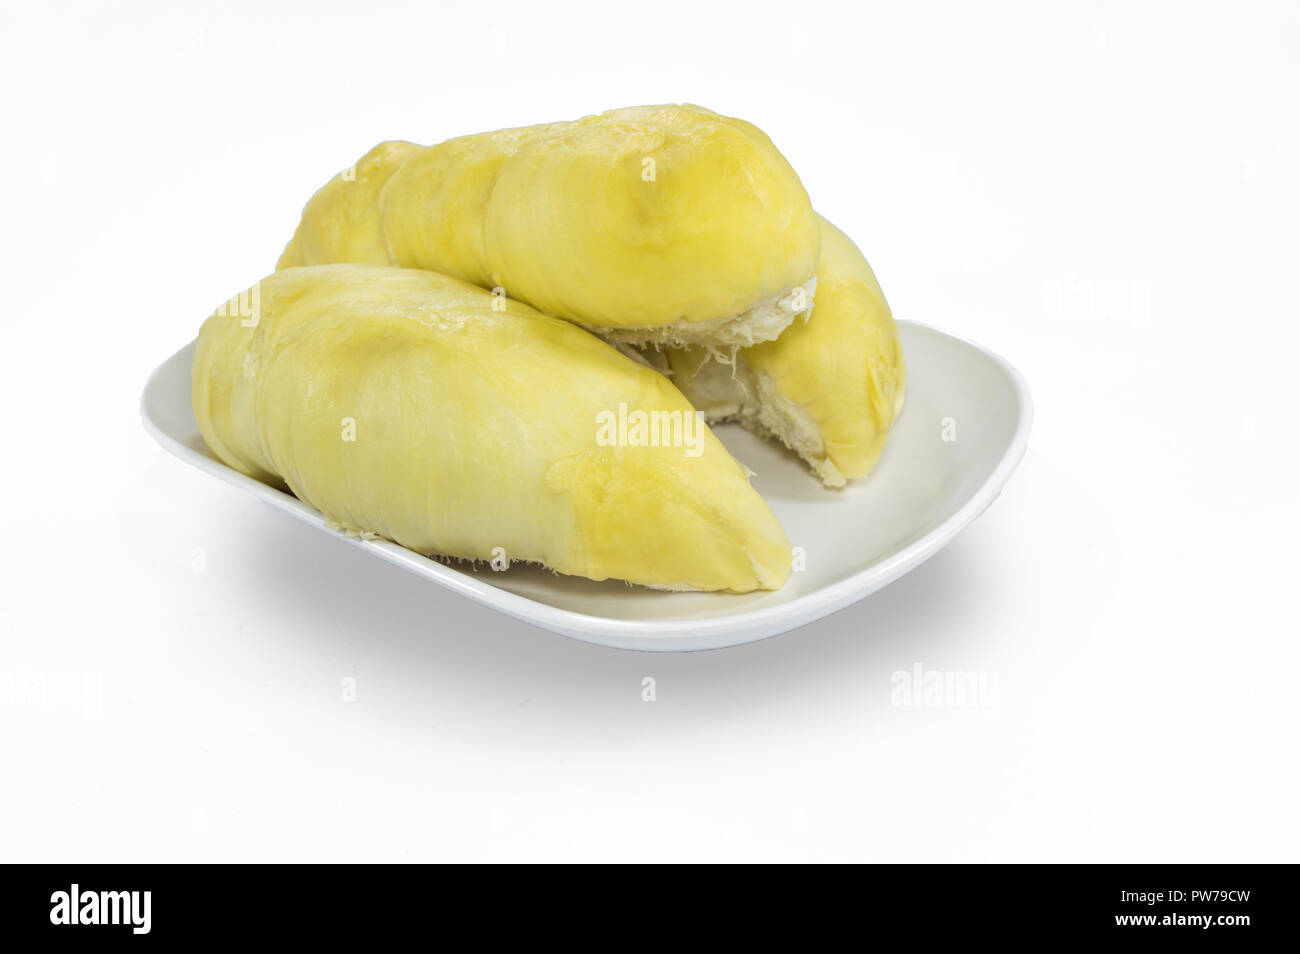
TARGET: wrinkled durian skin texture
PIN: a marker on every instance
(634, 218)
(842, 369)
(473, 428)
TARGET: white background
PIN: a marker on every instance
(1104, 193)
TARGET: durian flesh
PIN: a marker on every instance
(829, 388)
(649, 225)
(422, 409)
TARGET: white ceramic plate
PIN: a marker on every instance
(924, 491)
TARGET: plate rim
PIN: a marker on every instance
(652, 635)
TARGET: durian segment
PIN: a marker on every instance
(829, 388)
(422, 409)
(656, 224)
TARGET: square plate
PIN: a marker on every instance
(924, 491)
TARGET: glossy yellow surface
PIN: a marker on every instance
(634, 218)
(403, 403)
(842, 370)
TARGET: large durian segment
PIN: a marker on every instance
(425, 410)
(650, 224)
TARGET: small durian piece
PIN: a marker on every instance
(424, 410)
(829, 388)
(668, 225)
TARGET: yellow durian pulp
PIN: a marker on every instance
(341, 224)
(829, 388)
(651, 224)
(422, 409)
